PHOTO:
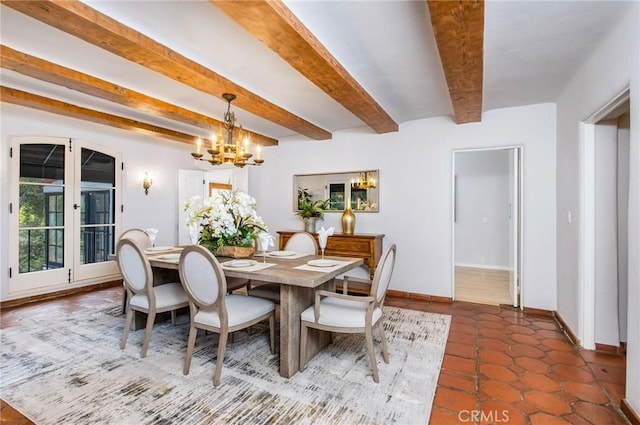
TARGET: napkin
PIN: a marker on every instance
(323, 234)
(152, 234)
(266, 240)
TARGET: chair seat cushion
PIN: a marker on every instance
(168, 294)
(341, 313)
(240, 308)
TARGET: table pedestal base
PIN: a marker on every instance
(293, 300)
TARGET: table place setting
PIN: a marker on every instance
(322, 265)
(159, 249)
(246, 265)
(284, 255)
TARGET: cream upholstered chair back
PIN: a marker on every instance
(202, 276)
(140, 236)
(142, 296)
(344, 313)
(302, 242)
(382, 276)
(134, 266)
(212, 309)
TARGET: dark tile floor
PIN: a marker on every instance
(500, 367)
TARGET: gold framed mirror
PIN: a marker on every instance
(360, 188)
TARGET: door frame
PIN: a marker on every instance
(520, 215)
(72, 273)
(587, 242)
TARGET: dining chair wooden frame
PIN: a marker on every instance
(343, 313)
(213, 309)
(142, 239)
(142, 296)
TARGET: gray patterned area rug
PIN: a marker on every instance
(70, 370)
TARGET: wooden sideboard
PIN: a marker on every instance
(359, 245)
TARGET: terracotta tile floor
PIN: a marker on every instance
(500, 367)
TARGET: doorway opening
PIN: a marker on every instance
(604, 203)
(487, 220)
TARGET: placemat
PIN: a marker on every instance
(322, 269)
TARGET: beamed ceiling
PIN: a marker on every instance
(299, 68)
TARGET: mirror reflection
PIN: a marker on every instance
(335, 190)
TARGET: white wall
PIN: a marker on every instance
(482, 209)
(632, 393)
(614, 65)
(161, 159)
(416, 190)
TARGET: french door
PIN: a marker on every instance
(64, 213)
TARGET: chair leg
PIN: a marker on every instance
(151, 317)
(127, 326)
(304, 330)
(124, 301)
(385, 351)
(372, 355)
(193, 332)
(272, 332)
(173, 317)
(222, 345)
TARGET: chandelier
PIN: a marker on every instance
(364, 181)
(232, 147)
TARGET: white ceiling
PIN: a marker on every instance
(530, 50)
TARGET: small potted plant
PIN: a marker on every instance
(311, 211)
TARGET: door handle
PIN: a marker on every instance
(76, 206)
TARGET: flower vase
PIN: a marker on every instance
(310, 224)
(348, 221)
(235, 251)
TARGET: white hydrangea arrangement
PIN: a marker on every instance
(228, 218)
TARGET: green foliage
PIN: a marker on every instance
(310, 209)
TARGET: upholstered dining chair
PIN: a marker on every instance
(142, 239)
(301, 242)
(212, 309)
(141, 294)
(343, 313)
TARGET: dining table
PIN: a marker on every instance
(298, 275)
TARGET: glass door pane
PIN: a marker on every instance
(97, 208)
(41, 207)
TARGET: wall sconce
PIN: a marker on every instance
(146, 183)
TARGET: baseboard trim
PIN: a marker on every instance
(18, 302)
(628, 411)
(566, 329)
(482, 266)
(538, 311)
(419, 297)
(611, 349)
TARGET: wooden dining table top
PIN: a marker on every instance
(283, 271)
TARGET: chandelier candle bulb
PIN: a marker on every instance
(198, 153)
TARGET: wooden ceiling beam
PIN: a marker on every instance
(271, 22)
(52, 73)
(34, 101)
(458, 26)
(90, 25)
